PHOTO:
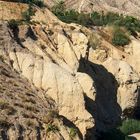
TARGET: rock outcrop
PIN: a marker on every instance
(25, 111)
(50, 70)
(91, 89)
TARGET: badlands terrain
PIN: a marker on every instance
(131, 7)
(61, 81)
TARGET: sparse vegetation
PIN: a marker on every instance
(4, 123)
(26, 18)
(128, 127)
(13, 24)
(73, 132)
(3, 104)
(27, 14)
(1, 58)
(94, 42)
(10, 110)
(52, 128)
(31, 107)
(120, 37)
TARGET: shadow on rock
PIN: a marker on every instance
(70, 124)
(115, 134)
(137, 109)
(105, 109)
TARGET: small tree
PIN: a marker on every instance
(59, 9)
(70, 16)
(97, 19)
(27, 14)
(120, 38)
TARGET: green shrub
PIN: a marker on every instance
(13, 24)
(27, 14)
(130, 126)
(52, 127)
(59, 9)
(97, 19)
(120, 38)
(70, 16)
(83, 19)
(112, 18)
(73, 132)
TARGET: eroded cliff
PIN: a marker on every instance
(91, 89)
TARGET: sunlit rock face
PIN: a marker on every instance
(90, 89)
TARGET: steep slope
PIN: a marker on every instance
(25, 115)
(92, 88)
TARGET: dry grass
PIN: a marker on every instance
(10, 10)
(3, 104)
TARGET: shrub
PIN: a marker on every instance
(27, 14)
(112, 18)
(130, 126)
(120, 38)
(2, 58)
(70, 16)
(83, 19)
(13, 24)
(94, 42)
(59, 9)
(39, 3)
(3, 104)
(51, 127)
(73, 132)
(4, 123)
(97, 19)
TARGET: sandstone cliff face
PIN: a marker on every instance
(91, 89)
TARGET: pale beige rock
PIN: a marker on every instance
(135, 136)
(134, 60)
(58, 84)
(106, 84)
(66, 51)
(80, 44)
(87, 85)
(128, 82)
